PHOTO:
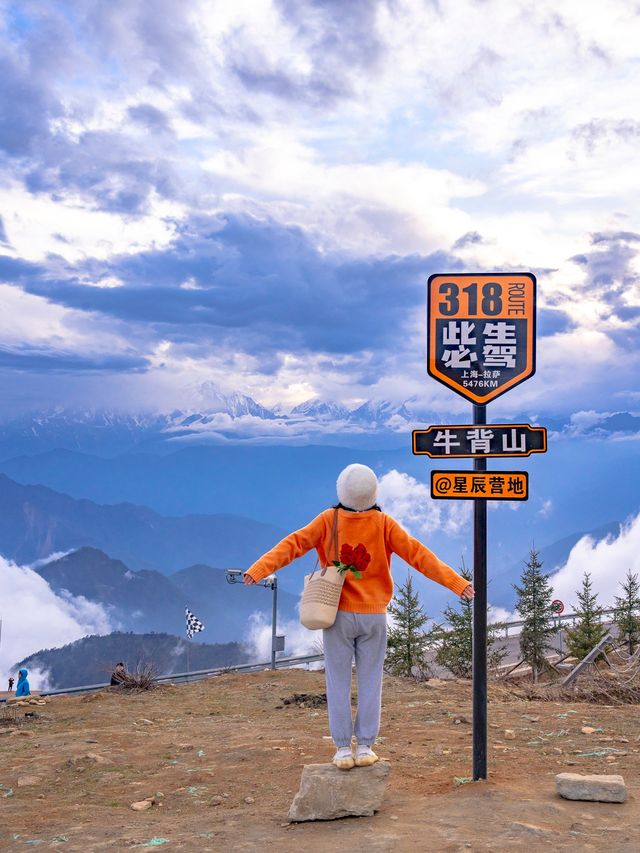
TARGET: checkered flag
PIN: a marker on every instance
(194, 625)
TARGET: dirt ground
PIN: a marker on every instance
(226, 754)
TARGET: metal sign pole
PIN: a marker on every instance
(481, 342)
(274, 617)
(480, 618)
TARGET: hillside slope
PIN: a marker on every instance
(226, 754)
(91, 659)
(36, 521)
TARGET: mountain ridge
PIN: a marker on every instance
(148, 601)
(37, 521)
(90, 660)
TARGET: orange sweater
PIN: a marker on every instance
(381, 536)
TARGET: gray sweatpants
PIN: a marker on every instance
(363, 635)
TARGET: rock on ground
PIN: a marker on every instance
(595, 788)
(142, 805)
(327, 793)
(23, 781)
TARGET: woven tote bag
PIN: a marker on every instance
(322, 590)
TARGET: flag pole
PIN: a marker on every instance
(194, 626)
(186, 610)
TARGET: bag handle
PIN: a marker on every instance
(334, 542)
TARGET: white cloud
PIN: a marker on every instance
(56, 555)
(32, 324)
(581, 421)
(546, 509)
(35, 618)
(368, 208)
(573, 368)
(422, 143)
(410, 503)
(37, 226)
(607, 561)
(299, 641)
(500, 614)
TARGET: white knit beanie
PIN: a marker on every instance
(357, 487)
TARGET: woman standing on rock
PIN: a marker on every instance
(360, 629)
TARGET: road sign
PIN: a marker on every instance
(557, 606)
(471, 485)
(453, 442)
(481, 332)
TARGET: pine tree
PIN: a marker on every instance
(534, 605)
(627, 615)
(588, 630)
(406, 643)
(455, 645)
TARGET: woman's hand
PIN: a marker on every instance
(248, 580)
(468, 592)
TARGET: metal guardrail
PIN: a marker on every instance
(558, 618)
(195, 675)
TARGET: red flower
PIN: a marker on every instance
(353, 559)
(361, 557)
(346, 555)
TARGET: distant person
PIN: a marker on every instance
(22, 687)
(360, 628)
(118, 674)
(10, 684)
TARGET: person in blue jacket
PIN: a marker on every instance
(22, 687)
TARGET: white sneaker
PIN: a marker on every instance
(365, 756)
(343, 759)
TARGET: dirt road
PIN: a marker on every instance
(226, 755)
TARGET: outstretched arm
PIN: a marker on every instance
(287, 550)
(425, 561)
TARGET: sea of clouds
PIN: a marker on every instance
(34, 618)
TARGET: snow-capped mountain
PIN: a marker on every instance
(321, 409)
(222, 417)
(210, 400)
(80, 429)
(382, 414)
(375, 414)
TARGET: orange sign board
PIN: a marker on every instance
(481, 332)
(470, 485)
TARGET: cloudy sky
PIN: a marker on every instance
(254, 193)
